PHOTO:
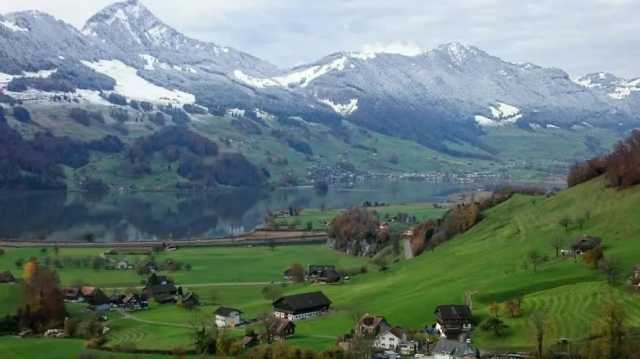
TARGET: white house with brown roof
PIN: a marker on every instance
(228, 317)
(390, 339)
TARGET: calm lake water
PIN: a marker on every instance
(161, 216)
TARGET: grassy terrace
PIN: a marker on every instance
(487, 260)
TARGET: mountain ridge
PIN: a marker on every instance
(448, 99)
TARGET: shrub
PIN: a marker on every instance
(21, 114)
(194, 109)
(116, 99)
(81, 116)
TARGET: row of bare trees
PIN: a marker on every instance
(621, 167)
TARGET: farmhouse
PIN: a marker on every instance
(584, 244)
(390, 339)
(190, 300)
(160, 288)
(329, 276)
(452, 349)
(123, 265)
(301, 306)
(7, 277)
(96, 298)
(227, 317)
(453, 320)
(71, 294)
(282, 328)
(371, 325)
(133, 301)
(315, 271)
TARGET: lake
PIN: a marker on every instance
(53, 216)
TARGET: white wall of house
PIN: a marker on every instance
(296, 317)
(231, 321)
(386, 341)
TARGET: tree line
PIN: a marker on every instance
(620, 167)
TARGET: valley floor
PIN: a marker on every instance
(488, 261)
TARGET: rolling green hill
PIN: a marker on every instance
(296, 151)
(489, 261)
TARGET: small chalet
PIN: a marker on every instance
(190, 300)
(116, 299)
(584, 244)
(371, 325)
(7, 277)
(452, 349)
(453, 320)
(123, 265)
(301, 306)
(315, 270)
(71, 294)
(96, 299)
(133, 302)
(161, 289)
(228, 317)
(330, 276)
(282, 328)
(390, 339)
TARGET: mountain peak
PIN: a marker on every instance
(457, 52)
(130, 23)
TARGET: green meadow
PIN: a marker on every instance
(489, 261)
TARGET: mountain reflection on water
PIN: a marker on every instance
(54, 216)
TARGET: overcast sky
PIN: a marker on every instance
(579, 36)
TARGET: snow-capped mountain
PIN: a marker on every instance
(444, 95)
(445, 92)
(618, 91)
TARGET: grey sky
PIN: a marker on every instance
(578, 36)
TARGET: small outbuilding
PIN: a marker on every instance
(7, 277)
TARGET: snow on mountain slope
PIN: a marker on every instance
(129, 84)
(502, 115)
(343, 109)
(12, 26)
(301, 77)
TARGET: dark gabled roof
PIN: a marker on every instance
(6, 277)
(226, 311)
(454, 312)
(587, 243)
(455, 348)
(97, 297)
(302, 302)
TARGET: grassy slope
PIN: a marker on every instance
(488, 259)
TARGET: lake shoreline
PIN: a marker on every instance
(253, 238)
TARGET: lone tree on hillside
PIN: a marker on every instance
(612, 268)
(565, 222)
(611, 332)
(535, 258)
(296, 272)
(542, 328)
(495, 325)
